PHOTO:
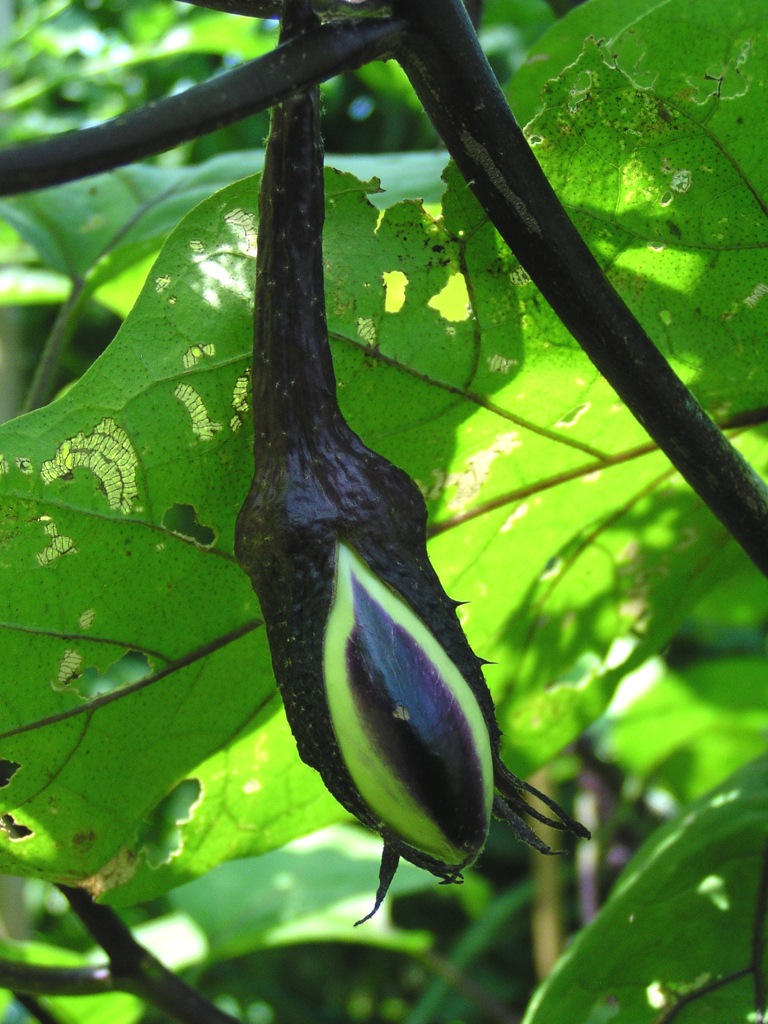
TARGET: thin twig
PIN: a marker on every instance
(43, 382)
(758, 940)
(454, 81)
(295, 65)
(35, 1009)
(547, 916)
(493, 1011)
(135, 970)
(474, 942)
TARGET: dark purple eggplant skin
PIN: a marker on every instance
(316, 485)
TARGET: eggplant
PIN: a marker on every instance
(384, 696)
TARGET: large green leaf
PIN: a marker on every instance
(686, 730)
(550, 511)
(107, 230)
(94, 488)
(94, 229)
(684, 925)
(312, 891)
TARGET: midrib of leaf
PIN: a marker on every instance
(471, 398)
(547, 483)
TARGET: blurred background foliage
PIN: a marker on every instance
(448, 954)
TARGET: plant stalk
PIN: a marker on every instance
(294, 65)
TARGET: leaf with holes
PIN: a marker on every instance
(684, 925)
(550, 511)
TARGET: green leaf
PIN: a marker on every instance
(680, 924)
(22, 286)
(92, 519)
(109, 228)
(312, 891)
(688, 730)
(561, 45)
(98, 227)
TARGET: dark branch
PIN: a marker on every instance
(134, 969)
(29, 979)
(295, 65)
(35, 1010)
(250, 8)
(449, 71)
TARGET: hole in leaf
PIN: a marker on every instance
(7, 770)
(159, 836)
(13, 829)
(574, 415)
(182, 520)
(395, 283)
(452, 302)
(129, 669)
(552, 568)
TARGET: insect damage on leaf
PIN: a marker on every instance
(86, 618)
(202, 425)
(195, 353)
(241, 401)
(108, 453)
(159, 838)
(58, 544)
(384, 696)
(69, 667)
(13, 829)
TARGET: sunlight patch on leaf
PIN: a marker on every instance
(713, 887)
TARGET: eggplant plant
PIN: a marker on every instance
(382, 691)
